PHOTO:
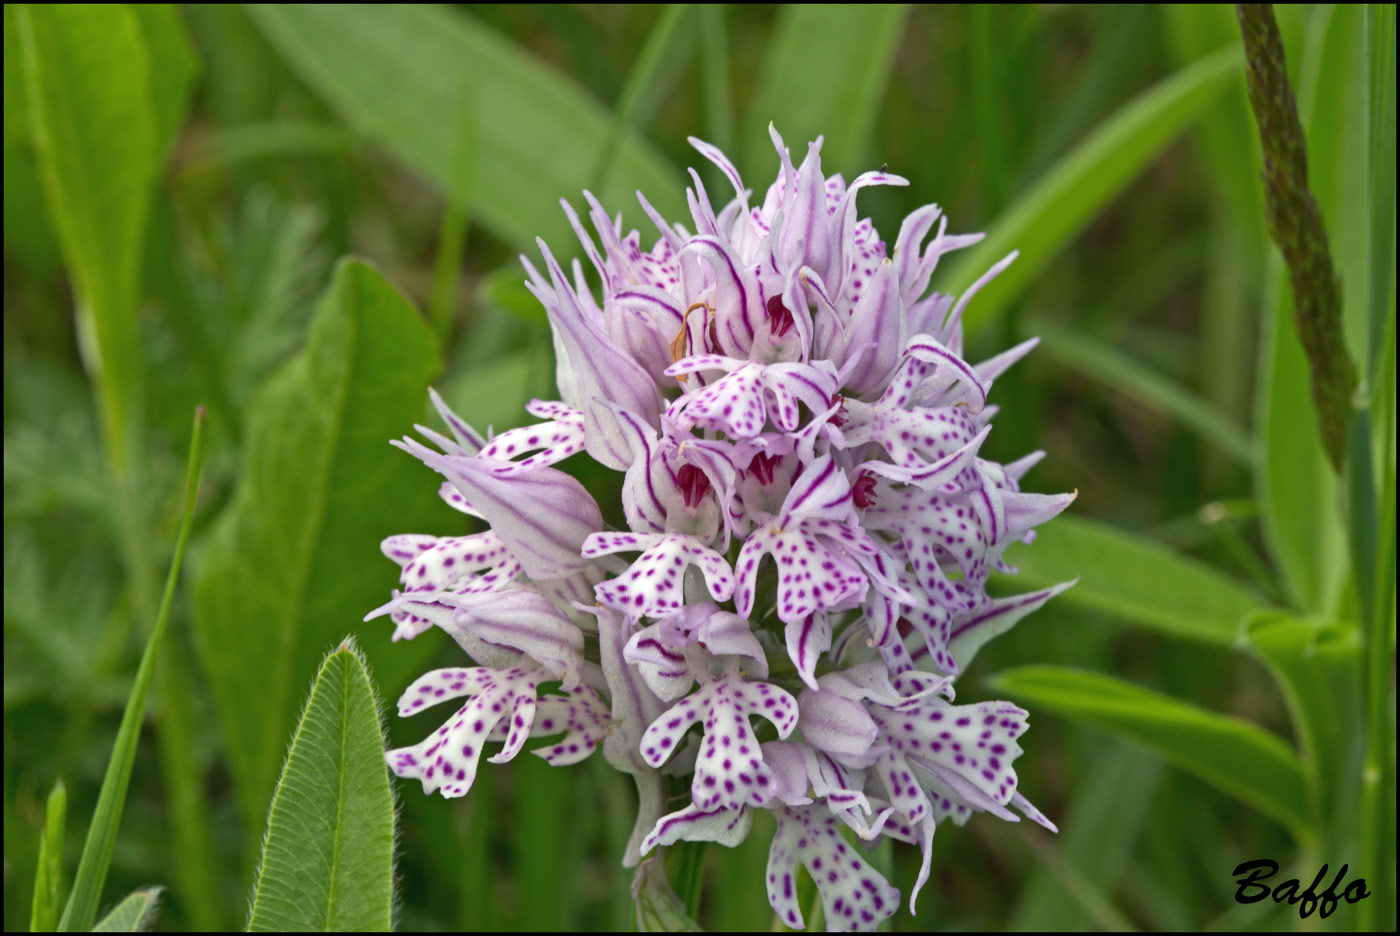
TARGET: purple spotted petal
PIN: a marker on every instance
(730, 770)
(653, 584)
(854, 895)
(447, 759)
(542, 444)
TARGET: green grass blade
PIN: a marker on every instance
(328, 856)
(1072, 191)
(1135, 579)
(48, 878)
(135, 914)
(824, 73)
(661, 61)
(1236, 757)
(393, 72)
(1109, 366)
(1096, 841)
(452, 233)
(78, 915)
(294, 557)
(1380, 27)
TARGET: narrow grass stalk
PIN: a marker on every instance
(1373, 550)
(649, 79)
(452, 234)
(81, 910)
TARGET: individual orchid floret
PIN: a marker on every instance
(653, 585)
(729, 771)
(770, 381)
(853, 894)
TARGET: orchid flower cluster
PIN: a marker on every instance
(809, 533)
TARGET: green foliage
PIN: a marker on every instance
(1231, 754)
(285, 570)
(135, 914)
(393, 71)
(1170, 378)
(824, 73)
(48, 879)
(659, 910)
(93, 124)
(1045, 219)
(1135, 579)
(328, 856)
(1316, 665)
(82, 903)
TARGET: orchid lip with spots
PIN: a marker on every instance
(809, 531)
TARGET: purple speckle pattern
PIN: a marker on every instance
(808, 530)
(854, 895)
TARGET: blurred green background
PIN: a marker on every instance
(228, 156)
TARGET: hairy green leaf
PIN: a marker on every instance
(395, 73)
(135, 914)
(1072, 191)
(824, 73)
(294, 561)
(1234, 756)
(1136, 579)
(328, 857)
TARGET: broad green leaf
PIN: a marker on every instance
(1135, 579)
(173, 64)
(87, 71)
(1125, 375)
(1317, 667)
(82, 904)
(328, 857)
(1234, 756)
(394, 73)
(658, 908)
(294, 561)
(135, 914)
(1096, 841)
(48, 877)
(1056, 209)
(824, 73)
